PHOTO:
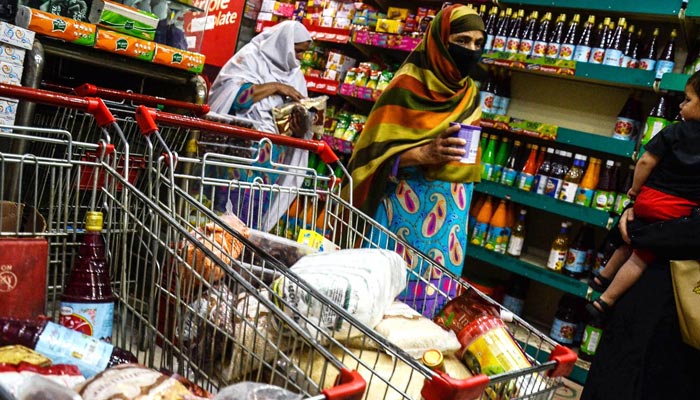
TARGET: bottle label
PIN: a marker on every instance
(92, 319)
(600, 200)
(624, 128)
(509, 176)
(496, 348)
(541, 183)
(584, 197)
(497, 173)
(610, 205)
(552, 187)
(479, 233)
(526, 47)
(612, 57)
(513, 304)
(625, 61)
(553, 50)
(487, 172)
(633, 63)
(621, 201)
(562, 331)
(591, 338)
(525, 181)
(582, 53)
(591, 255)
(499, 43)
(662, 67)
(65, 346)
(566, 51)
(575, 261)
(568, 191)
(647, 64)
(556, 259)
(597, 55)
(653, 126)
(539, 49)
(489, 43)
(512, 45)
(503, 105)
(488, 102)
(515, 246)
(497, 239)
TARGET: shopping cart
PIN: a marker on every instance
(148, 252)
(389, 371)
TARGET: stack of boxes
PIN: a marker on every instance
(14, 42)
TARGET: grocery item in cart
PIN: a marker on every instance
(255, 391)
(27, 381)
(70, 30)
(310, 111)
(216, 306)
(362, 281)
(16, 354)
(285, 250)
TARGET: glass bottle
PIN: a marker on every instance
(634, 54)
(592, 334)
(614, 52)
(628, 47)
(559, 249)
(612, 192)
(488, 158)
(598, 48)
(571, 180)
(543, 172)
(501, 36)
(600, 197)
(513, 41)
(514, 298)
(566, 51)
(647, 60)
(656, 120)
(433, 359)
(528, 36)
(666, 60)
(589, 182)
(517, 236)
(582, 52)
(496, 239)
(63, 345)
(527, 175)
(539, 47)
(477, 202)
(555, 39)
(622, 200)
(501, 158)
(510, 171)
(627, 123)
(488, 95)
(503, 86)
(575, 265)
(481, 226)
(490, 27)
(565, 321)
(87, 302)
(556, 175)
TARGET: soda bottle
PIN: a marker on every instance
(488, 95)
(612, 192)
(488, 158)
(481, 226)
(501, 158)
(628, 47)
(63, 345)
(514, 298)
(575, 265)
(666, 60)
(647, 60)
(569, 186)
(477, 202)
(598, 48)
(527, 175)
(510, 171)
(543, 172)
(565, 321)
(499, 39)
(582, 52)
(87, 302)
(513, 41)
(566, 51)
(589, 182)
(656, 120)
(613, 53)
(559, 249)
(592, 334)
(600, 197)
(539, 47)
(628, 120)
(496, 239)
(556, 175)
(517, 236)
(633, 62)
(503, 86)
(528, 37)
(555, 39)
(490, 27)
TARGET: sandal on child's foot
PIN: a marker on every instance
(601, 311)
(598, 282)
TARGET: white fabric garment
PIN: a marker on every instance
(269, 57)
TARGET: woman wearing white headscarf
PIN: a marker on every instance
(262, 75)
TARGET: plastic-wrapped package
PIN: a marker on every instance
(37, 387)
(255, 391)
(216, 306)
(285, 250)
(16, 378)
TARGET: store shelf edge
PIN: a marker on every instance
(531, 271)
(600, 143)
(675, 82)
(549, 204)
(615, 75)
(652, 7)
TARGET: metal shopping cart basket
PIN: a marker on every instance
(389, 371)
(148, 252)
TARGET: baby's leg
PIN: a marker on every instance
(628, 274)
(619, 256)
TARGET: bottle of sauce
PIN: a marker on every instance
(528, 37)
(87, 302)
(490, 25)
(656, 120)
(647, 60)
(543, 172)
(488, 95)
(496, 237)
(634, 53)
(628, 47)
(501, 158)
(559, 249)
(600, 197)
(573, 177)
(589, 182)
(582, 52)
(510, 171)
(626, 126)
(555, 39)
(612, 192)
(592, 334)
(575, 266)
(566, 51)
(598, 48)
(565, 321)
(501, 36)
(556, 175)
(434, 360)
(527, 175)
(613, 53)
(63, 345)
(622, 200)
(488, 158)
(513, 41)
(481, 227)
(517, 236)
(667, 58)
(514, 298)
(539, 47)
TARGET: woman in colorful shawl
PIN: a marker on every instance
(406, 167)
(262, 75)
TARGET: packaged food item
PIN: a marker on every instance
(70, 30)
(255, 391)
(181, 59)
(384, 78)
(216, 306)
(464, 309)
(121, 18)
(27, 381)
(285, 250)
(17, 354)
(129, 46)
(16, 36)
(38, 387)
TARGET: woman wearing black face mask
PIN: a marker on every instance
(406, 167)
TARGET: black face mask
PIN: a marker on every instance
(465, 59)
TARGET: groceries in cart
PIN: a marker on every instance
(309, 114)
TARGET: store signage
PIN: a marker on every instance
(215, 32)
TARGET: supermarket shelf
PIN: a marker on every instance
(650, 7)
(319, 33)
(600, 143)
(675, 82)
(530, 270)
(383, 40)
(693, 10)
(320, 85)
(615, 76)
(569, 210)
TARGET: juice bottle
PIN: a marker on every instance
(510, 171)
(501, 158)
(576, 258)
(87, 302)
(488, 158)
(477, 202)
(503, 86)
(600, 197)
(539, 47)
(555, 39)
(481, 226)
(589, 182)
(612, 192)
(592, 334)
(565, 321)
(582, 52)
(656, 120)
(626, 126)
(513, 41)
(527, 175)
(490, 27)
(571, 180)
(559, 249)
(528, 37)
(647, 61)
(556, 175)
(628, 48)
(496, 238)
(566, 52)
(499, 39)
(666, 60)
(488, 95)
(517, 236)
(613, 54)
(598, 48)
(543, 172)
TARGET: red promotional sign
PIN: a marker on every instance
(215, 33)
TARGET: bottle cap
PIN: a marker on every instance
(93, 221)
(433, 359)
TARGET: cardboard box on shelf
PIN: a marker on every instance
(11, 54)
(73, 9)
(8, 107)
(181, 59)
(397, 13)
(10, 73)
(124, 19)
(118, 43)
(389, 26)
(16, 35)
(82, 33)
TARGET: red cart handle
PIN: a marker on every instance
(350, 385)
(141, 99)
(149, 119)
(566, 360)
(91, 105)
(442, 386)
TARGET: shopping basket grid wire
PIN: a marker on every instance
(156, 284)
(390, 372)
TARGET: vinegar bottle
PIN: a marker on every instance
(556, 175)
(598, 48)
(559, 249)
(87, 302)
(517, 236)
(501, 36)
(584, 194)
(565, 321)
(510, 171)
(490, 25)
(555, 39)
(647, 61)
(543, 172)
(622, 200)
(513, 41)
(633, 62)
(612, 192)
(575, 265)
(600, 197)
(566, 52)
(613, 54)
(496, 239)
(481, 227)
(501, 158)
(628, 47)
(582, 52)
(626, 126)
(514, 298)
(539, 47)
(528, 37)
(667, 58)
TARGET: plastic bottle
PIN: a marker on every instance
(63, 345)
(598, 48)
(510, 217)
(559, 249)
(626, 126)
(556, 175)
(87, 302)
(656, 120)
(575, 265)
(488, 158)
(614, 52)
(540, 158)
(573, 177)
(496, 237)
(592, 334)
(582, 52)
(622, 200)
(490, 27)
(565, 321)
(481, 226)
(628, 47)
(566, 51)
(539, 46)
(510, 171)
(589, 182)
(483, 142)
(513, 41)
(517, 236)
(527, 41)
(647, 60)
(600, 197)
(543, 172)
(477, 202)
(501, 36)
(501, 158)
(527, 176)
(666, 60)
(514, 298)
(555, 39)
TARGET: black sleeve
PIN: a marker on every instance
(661, 142)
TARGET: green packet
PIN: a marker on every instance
(124, 19)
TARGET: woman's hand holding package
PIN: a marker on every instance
(285, 90)
(440, 150)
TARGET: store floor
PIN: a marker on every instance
(570, 391)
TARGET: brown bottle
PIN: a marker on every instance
(583, 48)
(647, 61)
(566, 52)
(627, 49)
(667, 58)
(598, 48)
(633, 62)
(614, 52)
(513, 42)
(539, 47)
(555, 39)
(528, 38)
(501, 36)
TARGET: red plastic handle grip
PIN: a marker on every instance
(145, 118)
(350, 385)
(444, 387)
(565, 358)
(137, 98)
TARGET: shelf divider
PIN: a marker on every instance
(604, 144)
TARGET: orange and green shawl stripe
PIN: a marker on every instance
(426, 94)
